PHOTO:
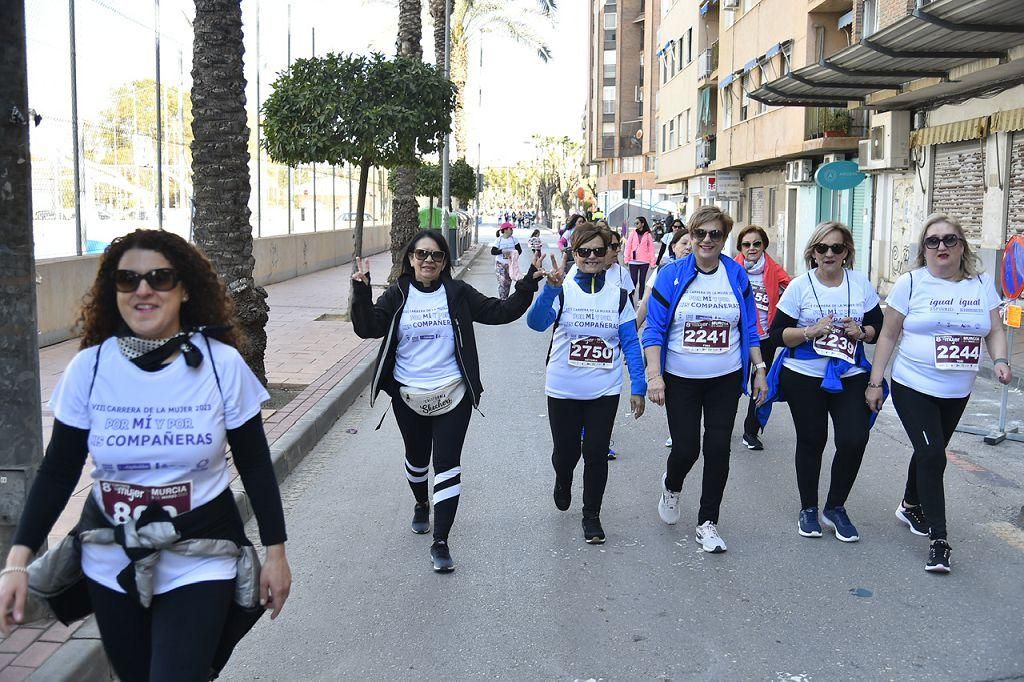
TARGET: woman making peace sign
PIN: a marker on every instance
(428, 365)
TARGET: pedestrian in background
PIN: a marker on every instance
(943, 309)
(640, 254)
(824, 318)
(594, 327)
(156, 395)
(667, 239)
(700, 342)
(428, 365)
(536, 245)
(504, 249)
(768, 280)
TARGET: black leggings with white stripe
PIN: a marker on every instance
(443, 435)
(929, 423)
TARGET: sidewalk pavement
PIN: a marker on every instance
(311, 352)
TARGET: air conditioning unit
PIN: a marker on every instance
(731, 4)
(704, 64)
(638, 93)
(888, 144)
(830, 158)
(798, 171)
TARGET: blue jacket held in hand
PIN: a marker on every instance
(673, 281)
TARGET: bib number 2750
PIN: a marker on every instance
(590, 351)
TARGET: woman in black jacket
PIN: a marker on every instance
(428, 365)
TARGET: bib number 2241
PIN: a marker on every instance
(706, 336)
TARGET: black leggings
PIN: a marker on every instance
(638, 273)
(175, 639)
(595, 418)
(443, 434)
(685, 401)
(929, 423)
(750, 424)
(811, 406)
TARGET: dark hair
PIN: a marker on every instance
(442, 244)
(536, 233)
(573, 219)
(208, 302)
(752, 228)
(643, 224)
(586, 231)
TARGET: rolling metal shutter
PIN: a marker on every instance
(1015, 191)
(958, 185)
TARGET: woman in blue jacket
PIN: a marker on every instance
(595, 326)
(699, 342)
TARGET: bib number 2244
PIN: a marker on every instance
(957, 351)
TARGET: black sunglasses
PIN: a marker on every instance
(614, 246)
(751, 245)
(715, 235)
(423, 254)
(584, 252)
(947, 240)
(161, 279)
(837, 249)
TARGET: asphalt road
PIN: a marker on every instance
(530, 600)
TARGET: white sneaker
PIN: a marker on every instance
(668, 442)
(709, 539)
(668, 505)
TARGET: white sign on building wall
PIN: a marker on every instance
(729, 185)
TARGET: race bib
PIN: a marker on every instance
(590, 351)
(957, 351)
(836, 344)
(127, 501)
(760, 297)
(706, 336)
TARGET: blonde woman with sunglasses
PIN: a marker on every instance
(429, 366)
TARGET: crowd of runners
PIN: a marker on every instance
(159, 391)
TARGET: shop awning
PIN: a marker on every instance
(971, 129)
(1007, 121)
(929, 42)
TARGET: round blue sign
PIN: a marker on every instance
(839, 175)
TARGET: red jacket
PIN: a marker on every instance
(775, 282)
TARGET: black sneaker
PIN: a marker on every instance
(593, 533)
(938, 557)
(562, 495)
(752, 441)
(421, 518)
(441, 557)
(913, 517)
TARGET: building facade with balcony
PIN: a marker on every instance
(619, 120)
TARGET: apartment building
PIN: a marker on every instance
(619, 122)
(927, 96)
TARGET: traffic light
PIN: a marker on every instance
(629, 189)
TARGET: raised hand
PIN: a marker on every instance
(555, 275)
(362, 273)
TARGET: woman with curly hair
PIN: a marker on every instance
(156, 394)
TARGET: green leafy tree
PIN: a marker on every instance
(367, 111)
(463, 182)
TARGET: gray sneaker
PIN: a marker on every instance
(709, 539)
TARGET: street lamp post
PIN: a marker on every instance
(446, 179)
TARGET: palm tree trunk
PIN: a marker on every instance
(437, 14)
(404, 208)
(220, 167)
(460, 75)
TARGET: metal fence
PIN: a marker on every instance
(112, 82)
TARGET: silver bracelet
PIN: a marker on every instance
(13, 569)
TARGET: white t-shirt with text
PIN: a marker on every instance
(704, 336)
(425, 357)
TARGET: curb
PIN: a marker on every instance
(82, 657)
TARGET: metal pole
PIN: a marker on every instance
(159, 124)
(289, 167)
(314, 165)
(1006, 388)
(259, 133)
(76, 147)
(334, 198)
(480, 106)
(446, 154)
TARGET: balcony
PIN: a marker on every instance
(707, 62)
(706, 129)
(833, 122)
(706, 152)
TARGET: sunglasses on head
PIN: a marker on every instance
(947, 240)
(751, 245)
(837, 249)
(423, 254)
(161, 279)
(584, 252)
(715, 235)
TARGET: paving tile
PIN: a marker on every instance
(19, 640)
(58, 632)
(5, 659)
(15, 674)
(34, 656)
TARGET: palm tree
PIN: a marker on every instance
(404, 209)
(220, 167)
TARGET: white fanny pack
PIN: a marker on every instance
(433, 403)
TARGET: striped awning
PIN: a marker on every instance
(1007, 121)
(971, 129)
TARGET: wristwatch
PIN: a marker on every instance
(760, 365)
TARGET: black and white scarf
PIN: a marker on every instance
(151, 354)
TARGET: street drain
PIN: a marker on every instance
(332, 317)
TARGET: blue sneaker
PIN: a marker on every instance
(837, 520)
(809, 526)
